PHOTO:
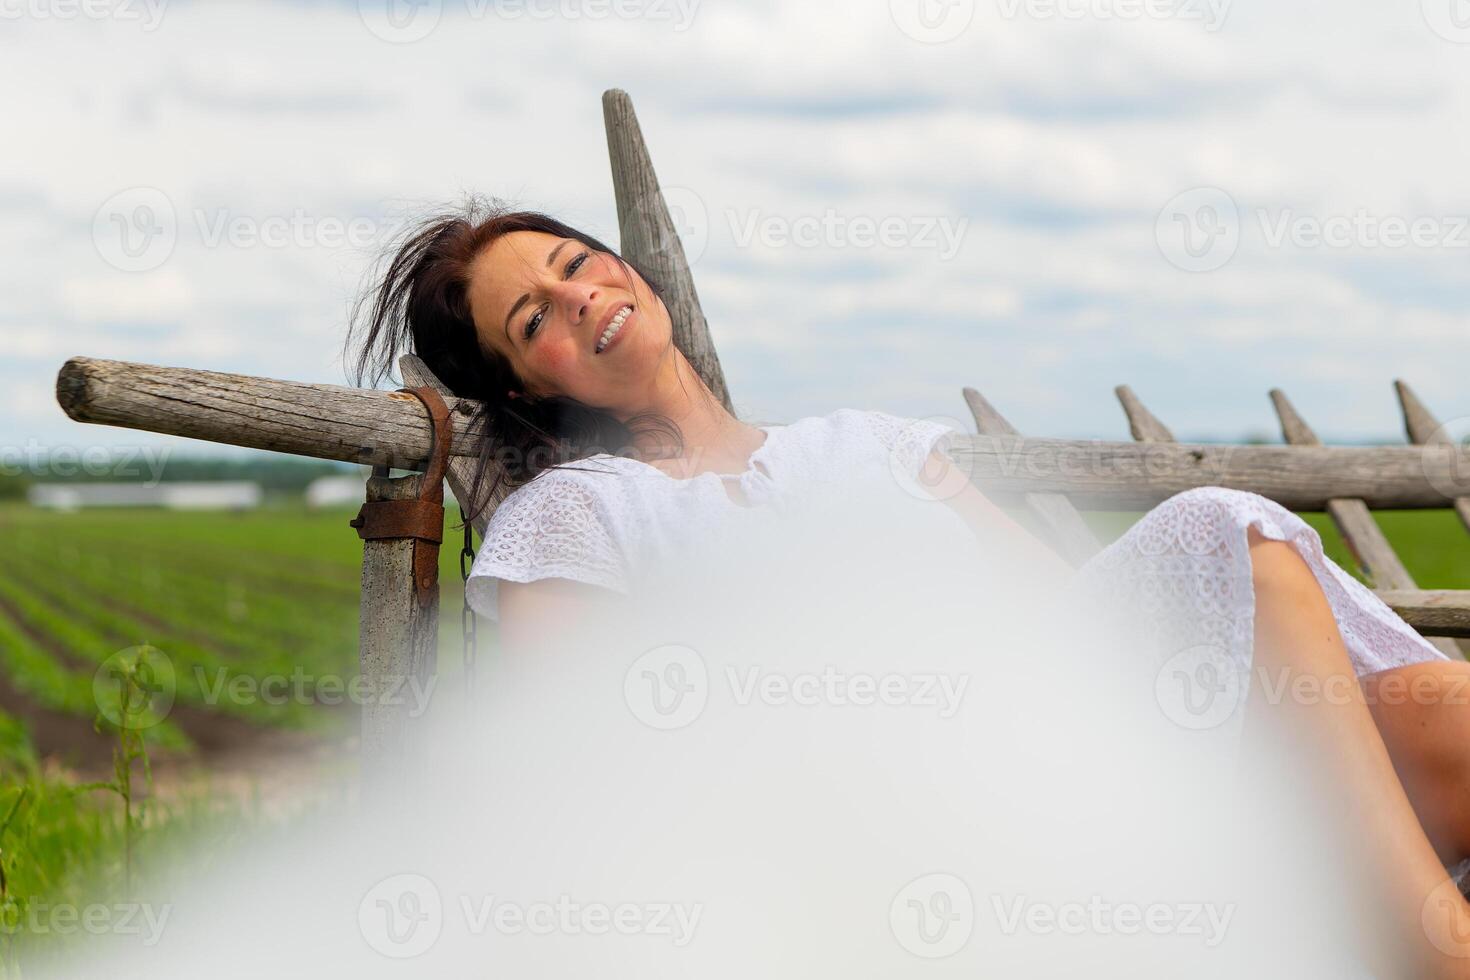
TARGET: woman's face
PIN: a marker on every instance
(544, 303)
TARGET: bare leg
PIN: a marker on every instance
(1296, 636)
(1423, 714)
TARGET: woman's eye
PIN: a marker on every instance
(535, 321)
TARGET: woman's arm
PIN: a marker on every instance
(991, 525)
(534, 614)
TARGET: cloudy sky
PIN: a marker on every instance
(885, 200)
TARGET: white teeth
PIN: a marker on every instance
(614, 327)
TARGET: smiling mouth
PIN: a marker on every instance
(612, 329)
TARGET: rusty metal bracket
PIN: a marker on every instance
(420, 519)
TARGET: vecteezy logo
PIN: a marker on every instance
(667, 687)
(688, 215)
(1446, 459)
(134, 688)
(933, 916)
(1440, 918)
(400, 21)
(401, 916)
(1199, 687)
(135, 230)
(1450, 19)
(908, 460)
(932, 21)
(1199, 230)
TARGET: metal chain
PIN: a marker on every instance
(467, 615)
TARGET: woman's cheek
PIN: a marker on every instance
(558, 361)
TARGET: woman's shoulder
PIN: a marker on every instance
(908, 439)
(565, 522)
(596, 484)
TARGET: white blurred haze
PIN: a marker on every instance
(806, 768)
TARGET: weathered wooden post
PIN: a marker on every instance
(398, 637)
(402, 526)
(647, 237)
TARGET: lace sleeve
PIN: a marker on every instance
(553, 527)
(909, 441)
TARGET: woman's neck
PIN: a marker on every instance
(713, 438)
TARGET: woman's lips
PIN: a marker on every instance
(627, 322)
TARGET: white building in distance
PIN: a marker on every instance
(205, 495)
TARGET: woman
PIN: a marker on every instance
(619, 455)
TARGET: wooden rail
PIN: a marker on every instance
(386, 428)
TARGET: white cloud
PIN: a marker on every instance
(1056, 141)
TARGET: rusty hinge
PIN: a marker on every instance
(420, 519)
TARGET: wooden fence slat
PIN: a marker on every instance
(1421, 426)
(1360, 532)
(1141, 422)
(649, 240)
(1073, 539)
(1433, 612)
(1365, 539)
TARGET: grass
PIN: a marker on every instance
(68, 848)
(225, 595)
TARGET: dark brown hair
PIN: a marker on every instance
(421, 303)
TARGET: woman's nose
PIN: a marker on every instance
(578, 298)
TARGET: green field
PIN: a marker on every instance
(232, 600)
(251, 595)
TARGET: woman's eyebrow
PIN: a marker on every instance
(550, 259)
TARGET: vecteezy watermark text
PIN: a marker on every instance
(146, 13)
(1200, 230)
(407, 21)
(119, 462)
(934, 916)
(669, 687)
(1210, 13)
(1203, 686)
(1100, 917)
(403, 916)
(300, 687)
(95, 919)
(137, 229)
(832, 230)
(831, 686)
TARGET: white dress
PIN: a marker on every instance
(1185, 565)
(1178, 581)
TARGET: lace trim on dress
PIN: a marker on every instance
(553, 527)
(909, 441)
(1185, 569)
